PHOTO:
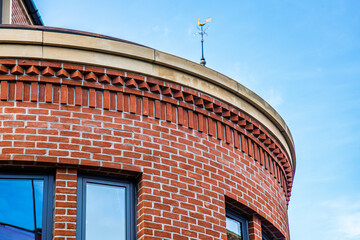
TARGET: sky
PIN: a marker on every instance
(303, 57)
(17, 203)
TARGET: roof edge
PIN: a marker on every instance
(33, 12)
(51, 36)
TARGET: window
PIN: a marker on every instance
(236, 226)
(26, 206)
(265, 237)
(106, 209)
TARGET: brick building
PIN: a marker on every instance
(19, 12)
(103, 138)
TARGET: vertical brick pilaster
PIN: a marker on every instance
(255, 228)
(140, 215)
(65, 204)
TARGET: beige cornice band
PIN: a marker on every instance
(86, 48)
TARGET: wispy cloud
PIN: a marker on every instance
(164, 30)
(273, 97)
(242, 73)
(346, 217)
(350, 225)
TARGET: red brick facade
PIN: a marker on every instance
(191, 155)
(18, 13)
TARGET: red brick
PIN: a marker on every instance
(183, 151)
(4, 90)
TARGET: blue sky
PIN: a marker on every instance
(16, 203)
(303, 57)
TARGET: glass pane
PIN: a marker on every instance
(19, 200)
(105, 212)
(233, 229)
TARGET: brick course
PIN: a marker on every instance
(191, 155)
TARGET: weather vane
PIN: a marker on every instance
(202, 32)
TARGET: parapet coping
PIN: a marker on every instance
(70, 45)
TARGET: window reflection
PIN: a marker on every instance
(233, 229)
(21, 202)
(105, 212)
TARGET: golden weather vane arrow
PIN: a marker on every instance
(202, 24)
(201, 32)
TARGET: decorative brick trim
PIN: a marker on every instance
(49, 82)
(192, 149)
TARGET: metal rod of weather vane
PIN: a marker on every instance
(202, 60)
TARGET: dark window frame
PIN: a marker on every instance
(244, 222)
(265, 236)
(48, 198)
(130, 203)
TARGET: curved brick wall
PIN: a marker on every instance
(191, 154)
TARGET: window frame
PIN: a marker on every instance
(130, 203)
(244, 222)
(48, 198)
(265, 236)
